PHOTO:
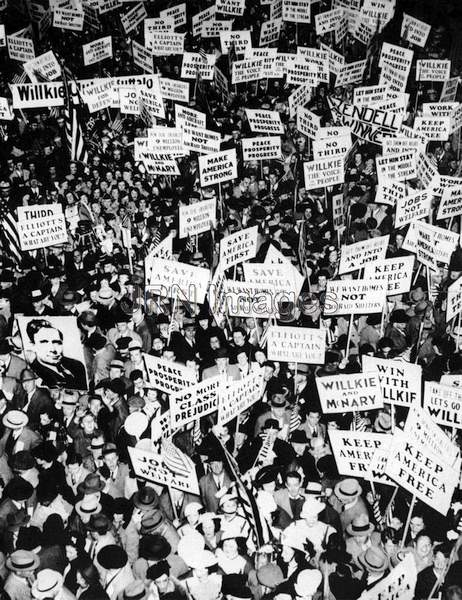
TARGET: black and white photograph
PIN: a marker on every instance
(230, 299)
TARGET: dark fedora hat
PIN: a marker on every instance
(154, 547)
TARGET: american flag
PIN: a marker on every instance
(19, 78)
(74, 132)
(264, 450)
(358, 424)
(295, 419)
(246, 499)
(9, 238)
(175, 460)
(197, 436)
(378, 517)
(117, 124)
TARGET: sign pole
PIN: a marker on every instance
(408, 521)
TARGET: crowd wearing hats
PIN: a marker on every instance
(273, 515)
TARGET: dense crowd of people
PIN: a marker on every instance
(76, 521)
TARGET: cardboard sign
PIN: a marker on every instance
(427, 171)
(142, 57)
(97, 50)
(454, 299)
(178, 91)
(284, 277)
(158, 163)
(168, 376)
(415, 31)
(338, 212)
(201, 17)
(423, 430)
(201, 141)
(433, 128)
(412, 207)
(37, 95)
(398, 584)
(377, 467)
(370, 124)
(161, 427)
(64, 18)
(307, 122)
(302, 71)
(354, 450)
(164, 43)
(403, 145)
(449, 91)
(197, 218)
(451, 203)
(298, 98)
(6, 113)
(349, 393)
(264, 121)
(213, 28)
(152, 26)
(296, 344)
(238, 396)
(196, 401)
(184, 114)
(231, 8)
(246, 70)
(371, 94)
(133, 18)
(400, 381)
(177, 13)
(296, 11)
(323, 173)
(433, 70)
(327, 21)
(218, 167)
(240, 39)
(444, 403)
(258, 300)
(442, 242)
(351, 73)
(164, 139)
(179, 279)
(421, 472)
(270, 31)
(238, 247)
(150, 466)
(396, 273)
(45, 65)
(390, 193)
(355, 256)
(99, 95)
(438, 109)
(261, 148)
(396, 167)
(41, 226)
(162, 250)
(194, 63)
(331, 147)
(353, 297)
(20, 48)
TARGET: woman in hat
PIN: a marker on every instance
(205, 583)
(209, 528)
(295, 555)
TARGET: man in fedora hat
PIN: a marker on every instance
(49, 585)
(18, 498)
(277, 410)
(214, 481)
(222, 366)
(40, 307)
(99, 534)
(22, 565)
(361, 536)
(31, 399)
(375, 564)
(18, 436)
(347, 500)
(184, 344)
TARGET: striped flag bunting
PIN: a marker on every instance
(74, 132)
(175, 460)
(246, 499)
(9, 237)
(295, 419)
